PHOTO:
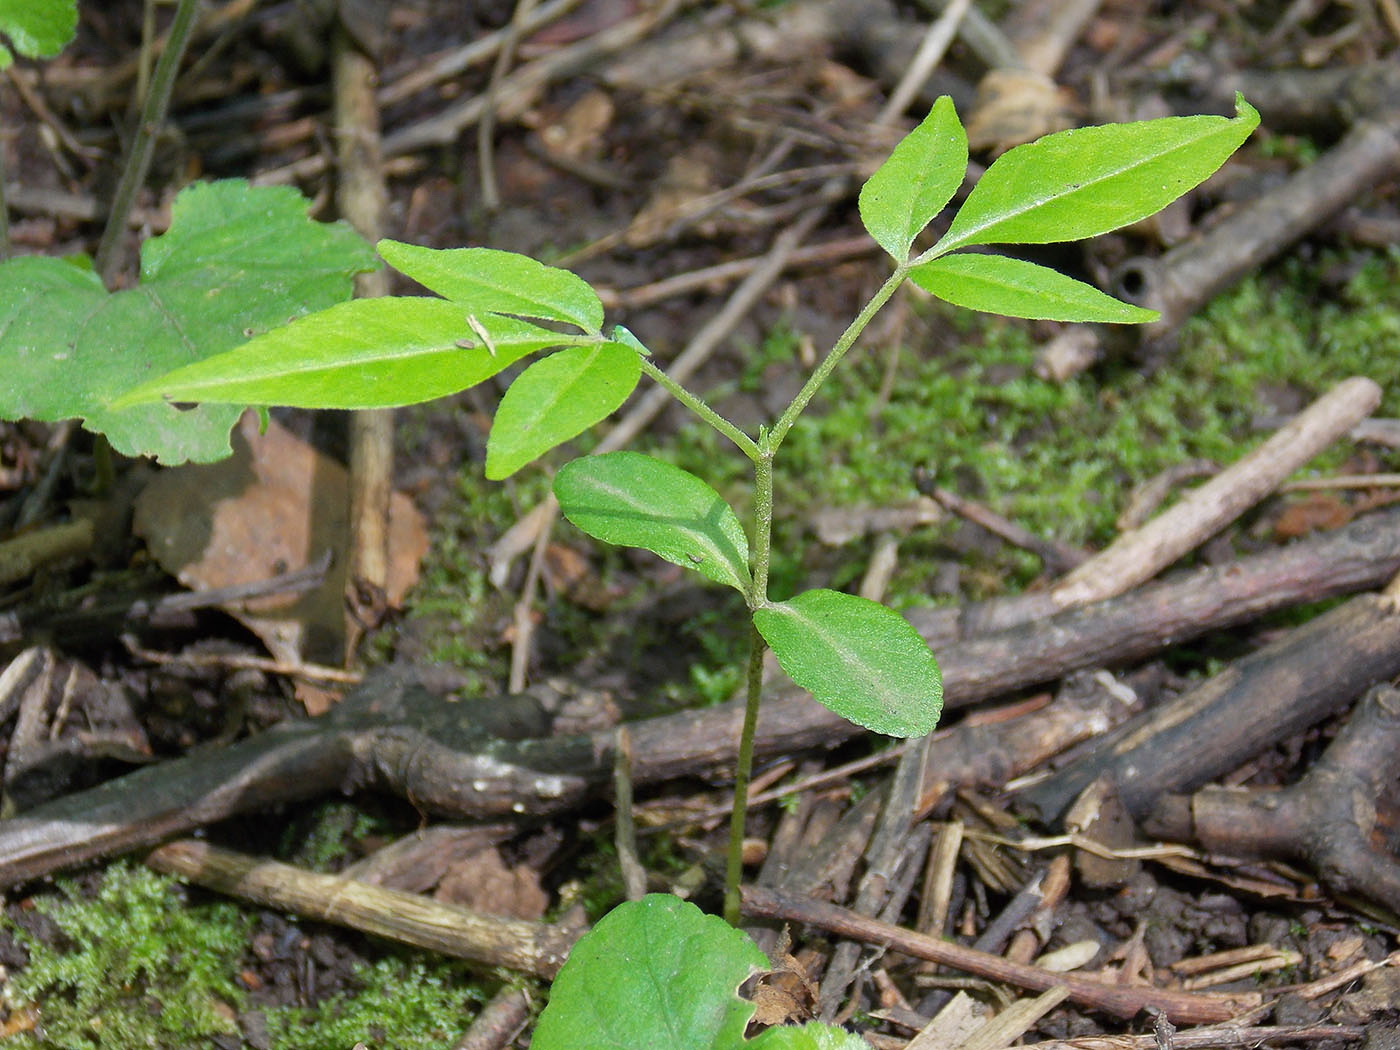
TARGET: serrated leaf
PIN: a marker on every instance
(36, 28)
(236, 261)
(367, 353)
(556, 399)
(917, 180)
(1086, 181)
(633, 500)
(858, 658)
(486, 280)
(1017, 288)
(657, 972)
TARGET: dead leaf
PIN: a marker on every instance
(786, 994)
(485, 883)
(577, 133)
(1015, 106)
(1318, 511)
(687, 181)
(275, 506)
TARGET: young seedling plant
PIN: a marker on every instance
(658, 972)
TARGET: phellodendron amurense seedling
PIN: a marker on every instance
(658, 972)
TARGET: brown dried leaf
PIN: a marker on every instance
(275, 506)
(1015, 106)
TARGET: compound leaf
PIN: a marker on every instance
(1086, 181)
(917, 180)
(1017, 288)
(486, 280)
(236, 261)
(656, 972)
(367, 353)
(857, 657)
(634, 500)
(556, 399)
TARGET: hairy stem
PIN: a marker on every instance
(4, 215)
(734, 865)
(757, 597)
(822, 371)
(695, 404)
(138, 161)
(762, 523)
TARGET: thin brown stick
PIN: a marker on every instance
(23, 555)
(362, 198)
(486, 126)
(1139, 555)
(1118, 1000)
(409, 918)
(1058, 557)
(243, 661)
(516, 93)
(931, 50)
(424, 74)
(1213, 1037)
(522, 615)
(827, 253)
(634, 876)
(1043, 31)
(499, 1022)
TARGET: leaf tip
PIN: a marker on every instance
(1244, 111)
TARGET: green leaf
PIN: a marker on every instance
(626, 338)
(855, 656)
(654, 973)
(36, 28)
(917, 180)
(1087, 181)
(558, 398)
(1017, 288)
(634, 500)
(489, 281)
(810, 1036)
(367, 353)
(236, 261)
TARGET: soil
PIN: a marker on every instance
(599, 168)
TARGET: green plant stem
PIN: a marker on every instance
(762, 455)
(762, 525)
(746, 444)
(757, 596)
(734, 865)
(138, 161)
(4, 215)
(822, 371)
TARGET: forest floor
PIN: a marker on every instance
(686, 153)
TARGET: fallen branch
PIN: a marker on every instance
(1327, 818)
(408, 918)
(1281, 689)
(1139, 555)
(395, 735)
(1119, 1000)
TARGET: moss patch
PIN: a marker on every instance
(132, 965)
(137, 962)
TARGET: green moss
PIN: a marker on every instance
(404, 1001)
(141, 968)
(1060, 458)
(138, 965)
(321, 840)
(1057, 458)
